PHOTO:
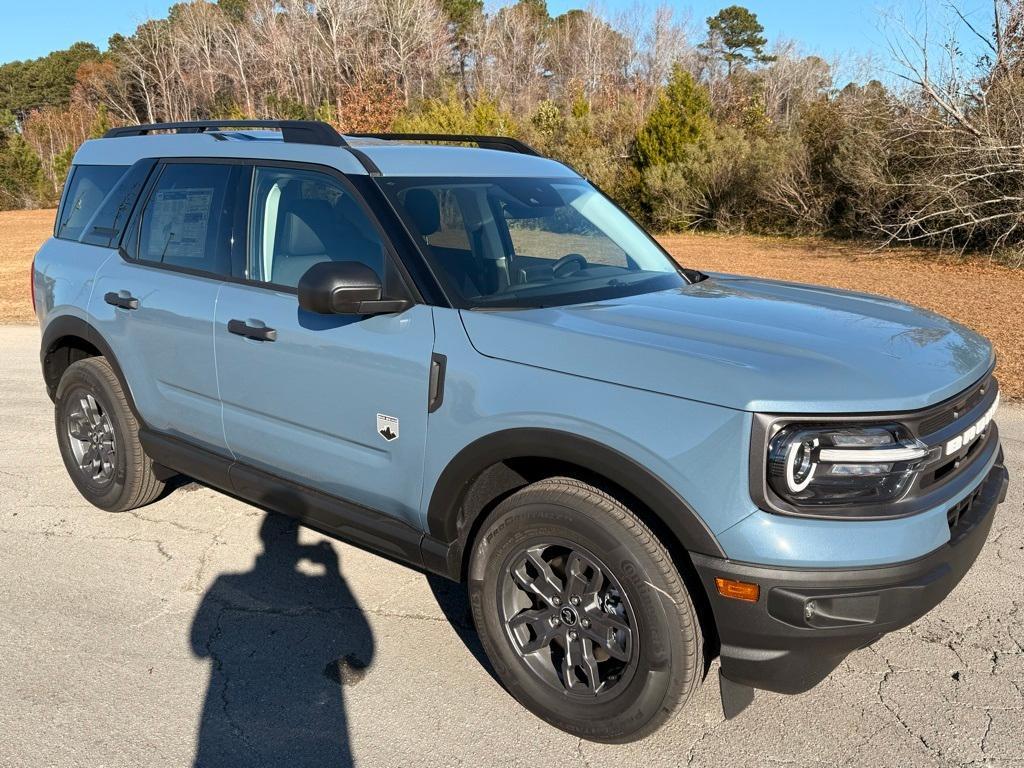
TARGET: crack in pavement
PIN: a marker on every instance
(886, 677)
(51, 534)
(579, 753)
(223, 678)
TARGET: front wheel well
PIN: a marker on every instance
(61, 354)
(503, 478)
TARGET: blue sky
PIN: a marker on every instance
(830, 27)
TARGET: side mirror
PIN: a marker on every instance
(345, 288)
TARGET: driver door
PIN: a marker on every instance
(336, 403)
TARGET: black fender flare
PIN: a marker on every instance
(443, 512)
(69, 326)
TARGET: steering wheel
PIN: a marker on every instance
(565, 261)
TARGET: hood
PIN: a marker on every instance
(750, 344)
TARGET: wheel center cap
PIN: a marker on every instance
(568, 616)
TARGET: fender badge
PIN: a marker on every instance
(387, 427)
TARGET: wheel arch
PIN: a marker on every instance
(490, 468)
(68, 339)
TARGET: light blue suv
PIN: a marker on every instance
(468, 359)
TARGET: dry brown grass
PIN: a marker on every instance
(983, 296)
(21, 234)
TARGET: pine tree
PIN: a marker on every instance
(22, 182)
(680, 118)
(736, 36)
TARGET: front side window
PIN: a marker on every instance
(87, 188)
(300, 218)
(529, 242)
(189, 218)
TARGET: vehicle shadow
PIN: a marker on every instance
(285, 640)
(453, 600)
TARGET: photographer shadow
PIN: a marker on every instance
(285, 640)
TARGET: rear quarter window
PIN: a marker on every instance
(105, 227)
(87, 188)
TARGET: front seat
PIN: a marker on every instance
(311, 230)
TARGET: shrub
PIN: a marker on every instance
(717, 183)
(681, 117)
(591, 141)
(453, 114)
(22, 182)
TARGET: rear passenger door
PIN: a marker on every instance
(337, 403)
(155, 301)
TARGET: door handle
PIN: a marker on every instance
(122, 299)
(258, 332)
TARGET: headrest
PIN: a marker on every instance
(424, 210)
(308, 229)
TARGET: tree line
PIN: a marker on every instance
(688, 125)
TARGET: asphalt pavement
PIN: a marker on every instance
(200, 630)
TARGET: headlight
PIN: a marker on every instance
(817, 466)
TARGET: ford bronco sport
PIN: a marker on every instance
(466, 358)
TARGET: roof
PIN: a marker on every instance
(391, 157)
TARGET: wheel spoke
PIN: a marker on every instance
(582, 576)
(540, 622)
(88, 460)
(78, 426)
(545, 584)
(579, 657)
(611, 633)
(92, 410)
(106, 455)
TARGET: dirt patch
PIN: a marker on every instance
(21, 234)
(982, 296)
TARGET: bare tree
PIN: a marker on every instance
(964, 132)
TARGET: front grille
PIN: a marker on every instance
(935, 474)
(953, 410)
(958, 513)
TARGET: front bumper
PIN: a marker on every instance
(805, 622)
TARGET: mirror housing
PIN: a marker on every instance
(345, 288)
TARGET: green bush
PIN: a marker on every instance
(717, 183)
(22, 182)
(453, 114)
(680, 118)
(591, 141)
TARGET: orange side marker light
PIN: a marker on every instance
(738, 590)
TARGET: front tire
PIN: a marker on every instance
(98, 437)
(582, 612)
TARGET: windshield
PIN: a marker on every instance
(498, 243)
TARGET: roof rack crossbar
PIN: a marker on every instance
(504, 143)
(292, 131)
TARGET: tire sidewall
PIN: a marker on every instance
(82, 377)
(659, 632)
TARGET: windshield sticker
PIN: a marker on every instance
(180, 221)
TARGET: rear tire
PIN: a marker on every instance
(582, 612)
(98, 437)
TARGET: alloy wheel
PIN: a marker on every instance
(568, 619)
(92, 437)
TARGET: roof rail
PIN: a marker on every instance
(484, 142)
(292, 131)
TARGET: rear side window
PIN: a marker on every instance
(105, 227)
(190, 216)
(87, 188)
